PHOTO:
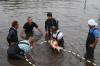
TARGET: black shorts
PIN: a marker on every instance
(28, 35)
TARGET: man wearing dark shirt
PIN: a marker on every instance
(49, 23)
(12, 37)
(28, 28)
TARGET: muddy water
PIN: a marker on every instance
(72, 15)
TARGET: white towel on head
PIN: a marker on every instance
(92, 22)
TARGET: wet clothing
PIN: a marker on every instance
(14, 50)
(93, 33)
(12, 36)
(59, 36)
(29, 27)
(49, 23)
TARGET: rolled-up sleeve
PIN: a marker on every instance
(60, 35)
(96, 33)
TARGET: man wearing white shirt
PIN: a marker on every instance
(57, 35)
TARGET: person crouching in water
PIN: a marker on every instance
(12, 37)
(57, 36)
(92, 39)
(20, 49)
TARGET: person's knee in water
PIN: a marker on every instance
(21, 49)
(12, 37)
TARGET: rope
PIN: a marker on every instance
(76, 54)
(27, 60)
(68, 51)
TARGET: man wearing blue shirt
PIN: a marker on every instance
(92, 39)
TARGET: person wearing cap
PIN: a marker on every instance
(57, 36)
(28, 28)
(12, 36)
(21, 49)
(50, 22)
(92, 39)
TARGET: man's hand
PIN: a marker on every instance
(47, 33)
(28, 56)
(21, 52)
(12, 43)
(21, 33)
(92, 45)
(42, 33)
(95, 43)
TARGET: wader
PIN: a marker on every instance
(90, 40)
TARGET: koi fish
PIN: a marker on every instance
(54, 45)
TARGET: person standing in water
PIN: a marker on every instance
(50, 22)
(92, 39)
(12, 37)
(28, 28)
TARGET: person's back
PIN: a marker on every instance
(25, 46)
